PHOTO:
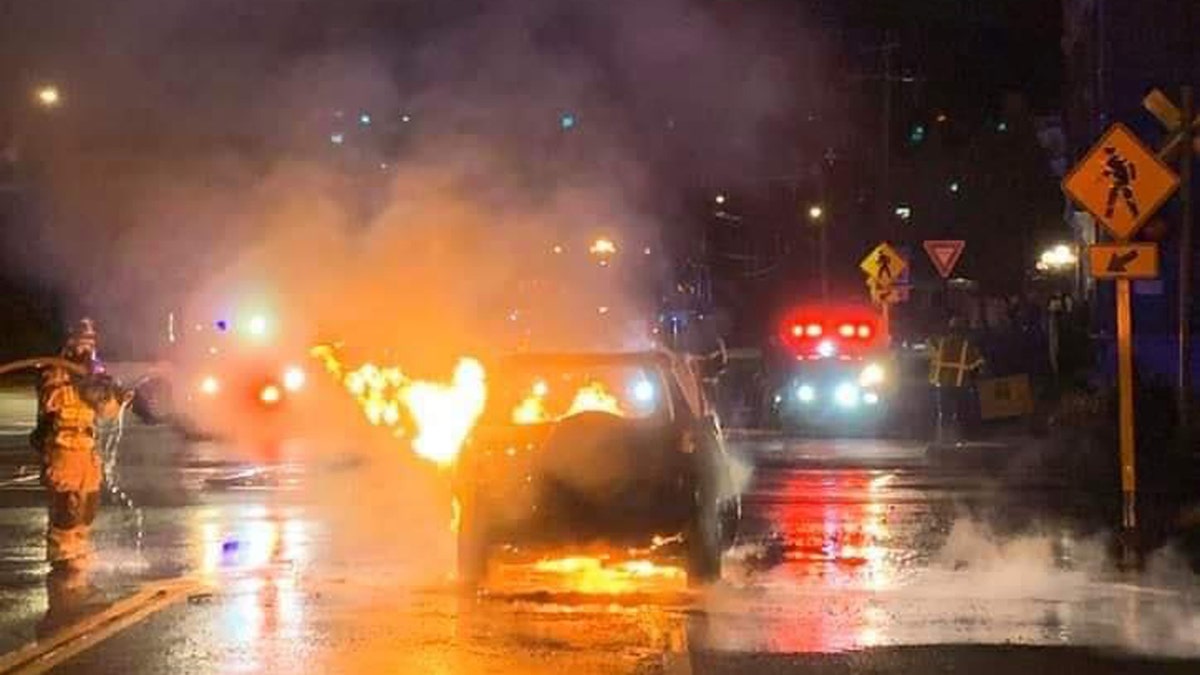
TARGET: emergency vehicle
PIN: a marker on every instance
(229, 376)
(829, 369)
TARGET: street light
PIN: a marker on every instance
(603, 246)
(48, 96)
(1057, 258)
(815, 212)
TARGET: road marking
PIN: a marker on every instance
(1135, 588)
(20, 480)
(41, 656)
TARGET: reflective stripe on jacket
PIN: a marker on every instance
(954, 358)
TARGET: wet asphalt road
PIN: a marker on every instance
(857, 556)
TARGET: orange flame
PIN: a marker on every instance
(442, 413)
(590, 397)
(594, 397)
(531, 410)
(601, 576)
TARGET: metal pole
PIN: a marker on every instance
(1126, 418)
(886, 164)
(1184, 381)
(823, 245)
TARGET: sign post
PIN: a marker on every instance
(1122, 184)
(1125, 416)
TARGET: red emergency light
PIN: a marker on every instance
(818, 331)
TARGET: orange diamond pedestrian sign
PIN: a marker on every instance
(1120, 182)
(883, 265)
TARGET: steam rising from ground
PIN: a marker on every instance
(1045, 587)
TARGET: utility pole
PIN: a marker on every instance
(1190, 68)
(885, 185)
(819, 216)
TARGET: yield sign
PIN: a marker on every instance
(944, 254)
(1120, 182)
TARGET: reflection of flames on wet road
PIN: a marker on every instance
(598, 575)
(442, 414)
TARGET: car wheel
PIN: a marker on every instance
(473, 545)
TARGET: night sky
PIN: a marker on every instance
(965, 51)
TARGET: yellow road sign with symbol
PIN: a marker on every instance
(1120, 182)
(884, 265)
(1123, 261)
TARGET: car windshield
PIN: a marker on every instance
(531, 393)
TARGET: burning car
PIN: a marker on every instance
(580, 448)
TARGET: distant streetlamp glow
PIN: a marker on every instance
(720, 199)
(815, 212)
(603, 246)
(48, 96)
(1057, 259)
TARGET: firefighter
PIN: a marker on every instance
(69, 406)
(952, 369)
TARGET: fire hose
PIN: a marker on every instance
(39, 362)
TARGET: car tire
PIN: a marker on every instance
(473, 546)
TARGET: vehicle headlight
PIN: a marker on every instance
(806, 393)
(826, 348)
(846, 395)
(209, 386)
(257, 325)
(871, 376)
(643, 391)
(293, 378)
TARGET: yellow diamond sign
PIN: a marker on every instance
(883, 265)
(1120, 182)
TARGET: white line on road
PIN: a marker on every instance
(41, 656)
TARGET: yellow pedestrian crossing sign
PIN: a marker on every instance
(884, 265)
(1120, 182)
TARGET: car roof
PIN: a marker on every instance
(576, 359)
(672, 365)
